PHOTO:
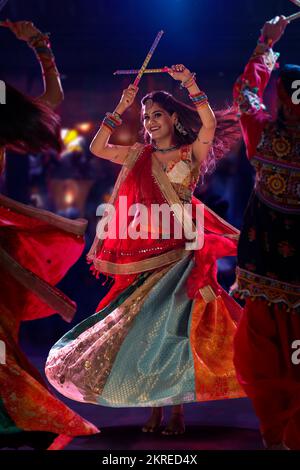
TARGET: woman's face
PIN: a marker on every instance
(157, 121)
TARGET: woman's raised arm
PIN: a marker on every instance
(100, 145)
(39, 42)
(205, 137)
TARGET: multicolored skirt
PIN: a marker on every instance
(151, 346)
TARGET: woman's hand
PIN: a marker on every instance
(23, 30)
(127, 99)
(274, 28)
(179, 72)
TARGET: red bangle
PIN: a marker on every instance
(263, 40)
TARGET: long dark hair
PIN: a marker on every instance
(227, 131)
(26, 125)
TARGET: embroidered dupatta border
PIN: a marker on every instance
(77, 227)
(47, 293)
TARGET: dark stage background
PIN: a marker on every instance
(91, 39)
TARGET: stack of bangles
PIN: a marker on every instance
(265, 41)
(41, 45)
(199, 99)
(111, 121)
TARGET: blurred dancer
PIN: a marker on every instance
(268, 273)
(36, 250)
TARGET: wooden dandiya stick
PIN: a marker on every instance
(148, 57)
(135, 71)
(293, 17)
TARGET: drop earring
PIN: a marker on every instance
(179, 127)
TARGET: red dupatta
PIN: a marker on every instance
(143, 181)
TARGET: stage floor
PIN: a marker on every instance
(215, 425)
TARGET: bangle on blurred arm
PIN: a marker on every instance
(41, 45)
(264, 40)
(264, 49)
(263, 45)
(39, 39)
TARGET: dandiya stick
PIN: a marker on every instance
(296, 2)
(134, 71)
(148, 57)
(293, 17)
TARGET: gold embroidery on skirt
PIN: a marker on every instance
(83, 366)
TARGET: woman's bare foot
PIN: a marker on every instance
(175, 426)
(154, 422)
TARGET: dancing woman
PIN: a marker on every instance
(268, 252)
(163, 333)
(36, 250)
